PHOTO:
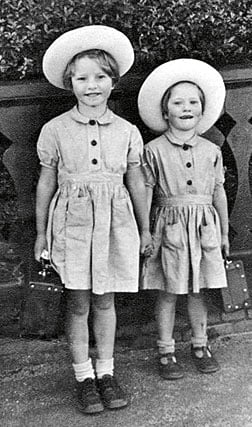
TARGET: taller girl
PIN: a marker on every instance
(184, 177)
(82, 202)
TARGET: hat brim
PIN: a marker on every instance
(206, 77)
(69, 44)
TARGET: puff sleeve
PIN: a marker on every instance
(47, 147)
(149, 167)
(135, 151)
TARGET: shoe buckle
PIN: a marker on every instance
(164, 360)
(208, 352)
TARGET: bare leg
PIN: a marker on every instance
(165, 317)
(77, 333)
(197, 311)
(104, 324)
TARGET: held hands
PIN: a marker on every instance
(146, 245)
(225, 245)
(40, 246)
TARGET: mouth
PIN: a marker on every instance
(93, 95)
(186, 117)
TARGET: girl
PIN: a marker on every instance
(92, 236)
(184, 175)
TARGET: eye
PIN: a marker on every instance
(102, 76)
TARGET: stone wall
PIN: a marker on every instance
(25, 107)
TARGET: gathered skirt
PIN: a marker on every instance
(187, 247)
(92, 235)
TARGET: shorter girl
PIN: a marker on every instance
(189, 219)
(92, 235)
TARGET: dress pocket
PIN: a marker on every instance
(122, 213)
(172, 236)
(59, 216)
(79, 212)
(208, 237)
(124, 241)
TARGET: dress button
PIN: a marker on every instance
(189, 182)
(92, 122)
(94, 161)
(188, 165)
(185, 147)
(93, 142)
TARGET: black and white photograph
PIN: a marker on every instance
(126, 213)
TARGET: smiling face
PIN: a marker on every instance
(91, 85)
(184, 107)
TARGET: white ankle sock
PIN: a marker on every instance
(166, 346)
(104, 366)
(83, 370)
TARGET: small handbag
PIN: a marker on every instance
(42, 312)
(236, 295)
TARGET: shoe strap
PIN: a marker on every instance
(166, 358)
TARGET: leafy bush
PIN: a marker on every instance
(217, 31)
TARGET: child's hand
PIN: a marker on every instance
(146, 245)
(225, 245)
(40, 246)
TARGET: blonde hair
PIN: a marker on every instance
(104, 59)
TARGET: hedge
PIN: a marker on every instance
(216, 31)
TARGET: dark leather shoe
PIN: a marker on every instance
(204, 360)
(111, 393)
(88, 397)
(169, 369)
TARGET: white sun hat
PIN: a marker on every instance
(206, 77)
(69, 44)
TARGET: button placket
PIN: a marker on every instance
(188, 165)
(94, 146)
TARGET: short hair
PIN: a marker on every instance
(107, 63)
(167, 95)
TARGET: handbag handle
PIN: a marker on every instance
(226, 259)
(45, 263)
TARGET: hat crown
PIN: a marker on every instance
(69, 44)
(168, 74)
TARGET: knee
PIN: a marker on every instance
(103, 302)
(77, 304)
(167, 298)
(165, 302)
(196, 298)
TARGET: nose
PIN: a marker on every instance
(187, 106)
(92, 83)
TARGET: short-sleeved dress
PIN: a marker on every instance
(185, 225)
(92, 233)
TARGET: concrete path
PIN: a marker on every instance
(37, 387)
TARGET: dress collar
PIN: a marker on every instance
(106, 118)
(174, 140)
